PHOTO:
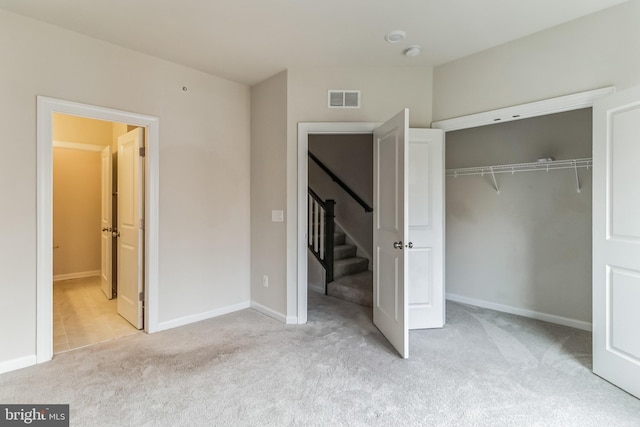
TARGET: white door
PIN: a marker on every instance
(105, 223)
(390, 299)
(425, 247)
(130, 227)
(616, 239)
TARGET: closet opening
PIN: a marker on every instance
(518, 217)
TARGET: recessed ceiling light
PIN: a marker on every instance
(413, 51)
(395, 36)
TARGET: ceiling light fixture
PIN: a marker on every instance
(395, 36)
(413, 51)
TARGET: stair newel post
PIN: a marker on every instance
(329, 231)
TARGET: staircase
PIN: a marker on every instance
(346, 275)
(352, 280)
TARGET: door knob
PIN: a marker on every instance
(410, 245)
(115, 233)
(397, 245)
(107, 229)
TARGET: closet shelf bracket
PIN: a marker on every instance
(495, 183)
(575, 167)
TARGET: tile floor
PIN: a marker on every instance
(82, 315)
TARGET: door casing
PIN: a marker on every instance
(44, 252)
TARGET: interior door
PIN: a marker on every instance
(390, 296)
(425, 247)
(130, 227)
(616, 239)
(105, 223)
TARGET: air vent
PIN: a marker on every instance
(344, 99)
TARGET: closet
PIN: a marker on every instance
(518, 217)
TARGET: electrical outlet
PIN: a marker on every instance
(265, 281)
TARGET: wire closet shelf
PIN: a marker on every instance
(546, 165)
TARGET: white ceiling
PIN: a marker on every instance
(250, 40)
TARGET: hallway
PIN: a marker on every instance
(83, 316)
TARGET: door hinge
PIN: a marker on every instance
(141, 296)
(142, 224)
(143, 152)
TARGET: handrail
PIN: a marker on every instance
(341, 183)
(320, 233)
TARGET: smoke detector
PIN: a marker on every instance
(412, 51)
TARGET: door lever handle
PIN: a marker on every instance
(397, 245)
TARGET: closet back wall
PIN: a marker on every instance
(528, 247)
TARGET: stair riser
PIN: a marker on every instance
(340, 269)
(344, 251)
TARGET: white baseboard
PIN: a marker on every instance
(79, 275)
(274, 314)
(551, 318)
(19, 363)
(170, 324)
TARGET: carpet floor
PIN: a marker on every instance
(483, 368)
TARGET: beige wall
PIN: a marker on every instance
(81, 130)
(204, 168)
(595, 51)
(76, 211)
(268, 181)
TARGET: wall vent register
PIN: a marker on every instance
(344, 99)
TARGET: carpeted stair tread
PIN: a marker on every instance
(344, 251)
(356, 288)
(344, 267)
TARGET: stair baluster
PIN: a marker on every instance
(321, 228)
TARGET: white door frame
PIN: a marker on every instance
(44, 212)
(518, 112)
(304, 130)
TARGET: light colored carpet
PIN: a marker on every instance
(483, 369)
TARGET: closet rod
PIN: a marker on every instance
(521, 167)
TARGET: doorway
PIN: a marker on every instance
(334, 179)
(87, 307)
(46, 108)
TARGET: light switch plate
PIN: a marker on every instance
(277, 216)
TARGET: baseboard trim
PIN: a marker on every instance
(274, 314)
(79, 275)
(186, 320)
(19, 363)
(551, 318)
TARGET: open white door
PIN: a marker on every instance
(425, 246)
(616, 239)
(130, 227)
(105, 223)
(390, 299)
